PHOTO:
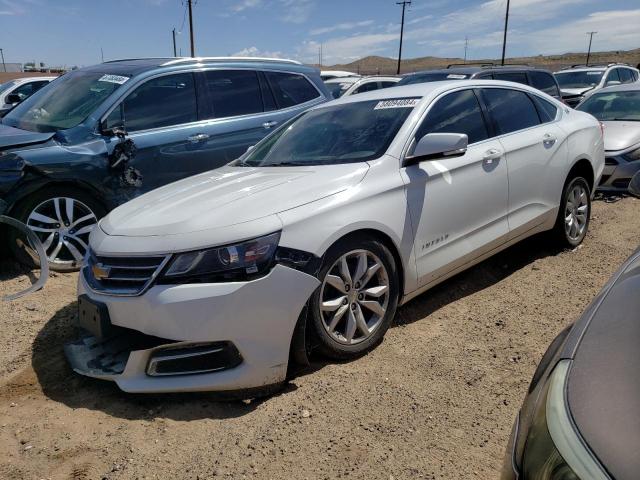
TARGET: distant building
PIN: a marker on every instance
(11, 67)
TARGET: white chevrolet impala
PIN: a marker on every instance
(313, 238)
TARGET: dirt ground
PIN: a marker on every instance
(435, 400)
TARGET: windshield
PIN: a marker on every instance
(430, 77)
(6, 86)
(346, 133)
(64, 103)
(584, 79)
(613, 106)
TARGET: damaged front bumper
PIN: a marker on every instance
(197, 337)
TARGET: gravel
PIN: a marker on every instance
(435, 400)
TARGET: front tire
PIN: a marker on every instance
(62, 218)
(572, 223)
(357, 299)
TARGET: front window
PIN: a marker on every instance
(347, 133)
(583, 79)
(66, 104)
(613, 106)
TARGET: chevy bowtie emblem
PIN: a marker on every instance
(100, 272)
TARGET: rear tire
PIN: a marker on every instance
(62, 218)
(574, 214)
(355, 304)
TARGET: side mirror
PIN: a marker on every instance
(13, 98)
(634, 185)
(438, 145)
(611, 83)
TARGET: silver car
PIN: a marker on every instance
(618, 108)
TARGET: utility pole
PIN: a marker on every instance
(175, 53)
(101, 54)
(404, 5)
(193, 51)
(504, 41)
(4, 66)
(591, 34)
(320, 56)
(466, 45)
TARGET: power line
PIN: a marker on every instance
(591, 34)
(504, 40)
(404, 5)
(189, 3)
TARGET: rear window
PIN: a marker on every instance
(545, 82)
(430, 77)
(518, 77)
(291, 89)
(511, 110)
(233, 92)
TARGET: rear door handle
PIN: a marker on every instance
(549, 140)
(199, 137)
(491, 155)
(271, 124)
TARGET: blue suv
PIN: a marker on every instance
(99, 136)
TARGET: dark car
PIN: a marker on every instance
(581, 416)
(535, 77)
(102, 135)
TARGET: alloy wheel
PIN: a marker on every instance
(354, 297)
(63, 226)
(576, 213)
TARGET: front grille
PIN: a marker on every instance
(127, 276)
(610, 161)
(604, 179)
(190, 359)
(621, 183)
(572, 101)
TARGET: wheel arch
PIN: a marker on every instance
(31, 188)
(582, 168)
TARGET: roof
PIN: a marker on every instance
(135, 66)
(421, 90)
(343, 80)
(470, 70)
(625, 87)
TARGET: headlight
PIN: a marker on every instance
(226, 263)
(633, 155)
(554, 450)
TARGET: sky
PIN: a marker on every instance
(73, 32)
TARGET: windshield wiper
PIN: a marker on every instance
(625, 120)
(286, 164)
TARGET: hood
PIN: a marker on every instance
(568, 92)
(620, 135)
(603, 389)
(228, 196)
(15, 137)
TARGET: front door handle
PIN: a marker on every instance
(491, 155)
(199, 137)
(269, 125)
(549, 140)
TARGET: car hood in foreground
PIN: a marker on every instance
(620, 135)
(15, 137)
(604, 384)
(228, 196)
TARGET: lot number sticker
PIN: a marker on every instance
(397, 103)
(113, 79)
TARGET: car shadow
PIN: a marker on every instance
(61, 384)
(10, 270)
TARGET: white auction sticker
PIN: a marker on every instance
(397, 103)
(456, 76)
(113, 79)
